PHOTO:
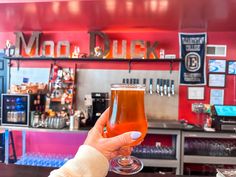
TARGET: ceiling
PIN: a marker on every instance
(117, 15)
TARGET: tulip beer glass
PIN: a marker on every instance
(127, 113)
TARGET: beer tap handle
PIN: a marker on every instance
(123, 80)
(168, 88)
(165, 87)
(150, 86)
(127, 81)
(131, 81)
(134, 81)
(158, 86)
(172, 87)
(161, 87)
(144, 83)
(137, 81)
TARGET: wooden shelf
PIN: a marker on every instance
(56, 99)
(65, 82)
(68, 82)
(59, 99)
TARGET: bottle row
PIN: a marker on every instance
(152, 152)
(44, 160)
(209, 147)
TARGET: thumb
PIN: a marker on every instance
(124, 139)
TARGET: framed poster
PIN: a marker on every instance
(217, 66)
(1, 65)
(217, 96)
(216, 80)
(231, 67)
(196, 93)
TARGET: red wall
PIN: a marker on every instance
(226, 38)
(167, 40)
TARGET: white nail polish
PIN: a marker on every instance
(135, 135)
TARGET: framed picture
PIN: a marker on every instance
(1, 65)
(214, 50)
(217, 96)
(1, 84)
(216, 80)
(196, 93)
(217, 66)
(231, 67)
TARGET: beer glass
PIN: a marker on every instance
(127, 113)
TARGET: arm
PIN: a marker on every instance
(92, 158)
(87, 162)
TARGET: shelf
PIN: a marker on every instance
(93, 59)
(160, 163)
(42, 129)
(224, 135)
(65, 82)
(43, 160)
(209, 159)
(163, 131)
(59, 100)
(129, 61)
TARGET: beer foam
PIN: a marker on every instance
(128, 89)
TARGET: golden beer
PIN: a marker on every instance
(127, 112)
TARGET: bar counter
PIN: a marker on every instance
(12, 170)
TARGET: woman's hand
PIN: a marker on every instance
(110, 147)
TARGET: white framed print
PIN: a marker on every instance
(216, 80)
(232, 67)
(217, 96)
(217, 66)
(196, 93)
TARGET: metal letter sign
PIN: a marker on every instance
(66, 44)
(152, 49)
(115, 49)
(34, 38)
(51, 50)
(135, 43)
(92, 43)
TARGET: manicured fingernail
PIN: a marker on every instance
(135, 135)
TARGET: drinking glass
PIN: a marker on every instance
(127, 113)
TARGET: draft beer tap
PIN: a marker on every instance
(158, 87)
(150, 87)
(161, 87)
(123, 80)
(172, 87)
(168, 88)
(165, 87)
(144, 83)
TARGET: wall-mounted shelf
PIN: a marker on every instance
(205, 143)
(93, 59)
(129, 61)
